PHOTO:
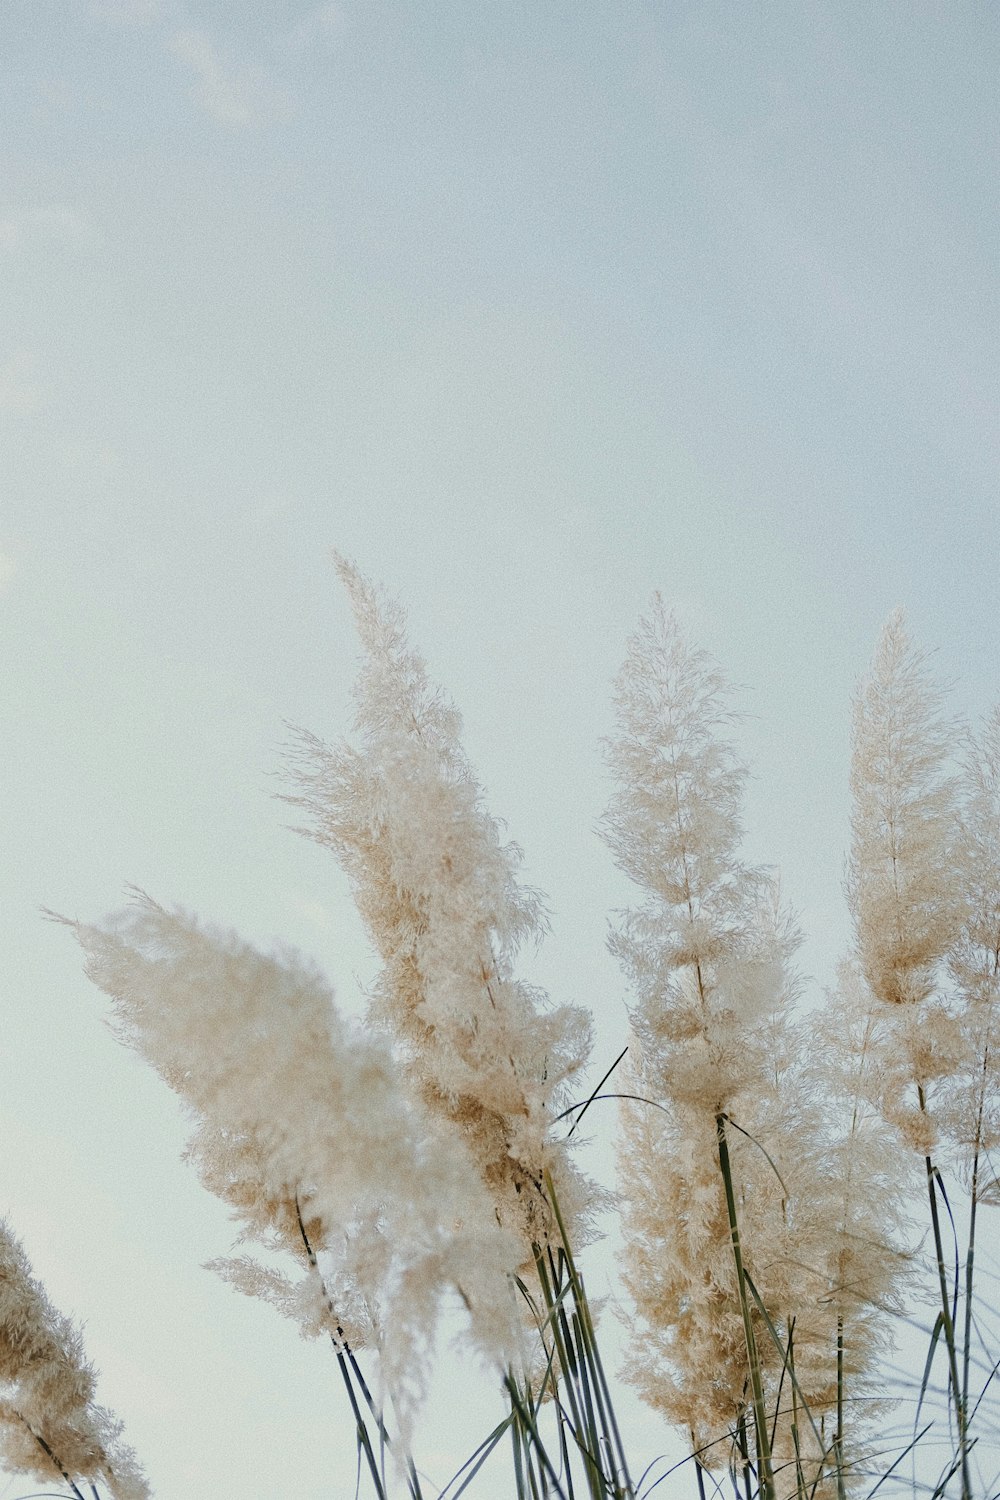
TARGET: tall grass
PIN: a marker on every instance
(772, 1149)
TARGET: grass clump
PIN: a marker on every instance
(769, 1148)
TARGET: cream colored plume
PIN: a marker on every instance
(904, 884)
(304, 1126)
(969, 1107)
(438, 889)
(50, 1424)
(718, 1041)
(707, 956)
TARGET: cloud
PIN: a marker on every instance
(20, 393)
(6, 569)
(54, 223)
(323, 26)
(234, 96)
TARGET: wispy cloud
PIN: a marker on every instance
(230, 88)
(54, 223)
(20, 392)
(234, 95)
(323, 26)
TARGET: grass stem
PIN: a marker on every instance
(753, 1356)
(947, 1321)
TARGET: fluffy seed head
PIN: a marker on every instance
(50, 1424)
(438, 888)
(305, 1127)
(904, 883)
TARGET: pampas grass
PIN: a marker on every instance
(51, 1426)
(771, 1142)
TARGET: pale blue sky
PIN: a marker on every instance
(531, 308)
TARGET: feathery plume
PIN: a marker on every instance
(849, 1196)
(707, 955)
(970, 1109)
(908, 893)
(858, 1181)
(438, 890)
(904, 895)
(50, 1424)
(304, 1128)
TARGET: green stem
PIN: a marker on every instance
(348, 1364)
(364, 1440)
(741, 1439)
(587, 1397)
(622, 1486)
(413, 1481)
(974, 1196)
(515, 1438)
(554, 1298)
(753, 1356)
(800, 1478)
(527, 1423)
(838, 1444)
(969, 1265)
(947, 1324)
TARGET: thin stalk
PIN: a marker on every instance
(475, 1461)
(608, 1417)
(595, 1095)
(536, 1469)
(363, 1437)
(567, 1466)
(973, 1207)
(800, 1478)
(593, 1436)
(969, 1267)
(515, 1437)
(347, 1364)
(560, 1290)
(753, 1356)
(529, 1425)
(741, 1439)
(776, 1341)
(554, 1297)
(413, 1480)
(538, 1482)
(52, 1457)
(567, 1359)
(947, 1323)
(995, 1370)
(838, 1442)
(787, 1368)
(616, 1449)
(533, 1485)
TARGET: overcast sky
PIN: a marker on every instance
(531, 308)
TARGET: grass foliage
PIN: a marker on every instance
(773, 1153)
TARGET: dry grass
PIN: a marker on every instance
(771, 1152)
